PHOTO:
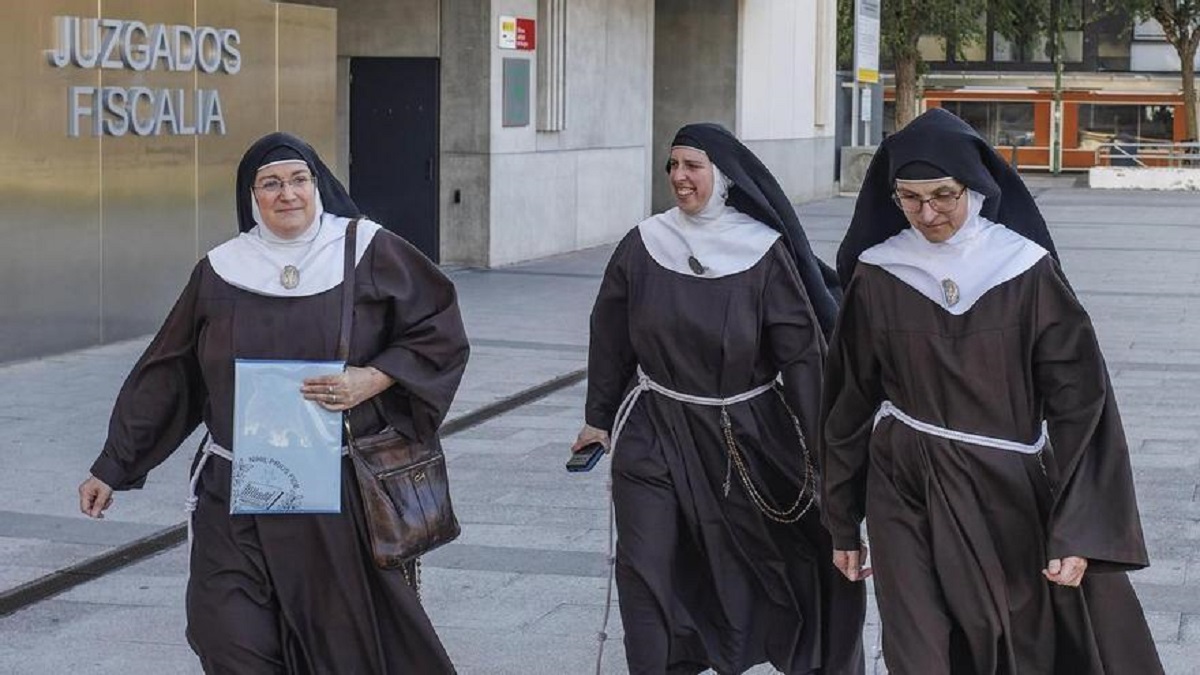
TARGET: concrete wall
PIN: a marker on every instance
(762, 68)
(1144, 178)
(786, 103)
(466, 103)
(695, 75)
(386, 27)
(553, 192)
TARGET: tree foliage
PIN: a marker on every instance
(1180, 21)
(903, 23)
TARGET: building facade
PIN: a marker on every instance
(1120, 84)
(486, 132)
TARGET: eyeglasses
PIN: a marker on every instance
(943, 203)
(274, 186)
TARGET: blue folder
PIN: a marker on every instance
(287, 452)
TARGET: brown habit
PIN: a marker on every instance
(294, 593)
(705, 579)
(960, 533)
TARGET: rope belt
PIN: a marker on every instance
(889, 409)
(645, 384)
(208, 448)
(734, 458)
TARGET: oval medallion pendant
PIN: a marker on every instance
(289, 277)
(697, 268)
(950, 290)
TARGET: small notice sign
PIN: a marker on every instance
(508, 32)
(526, 34)
(517, 33)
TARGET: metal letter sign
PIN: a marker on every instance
(118, 44)
(866, 41)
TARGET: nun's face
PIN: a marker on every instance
(691, 179)
(284, 193)
(936, 209)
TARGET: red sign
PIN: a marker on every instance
(526, 34)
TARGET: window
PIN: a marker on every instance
(999, 122)
(1108, 123)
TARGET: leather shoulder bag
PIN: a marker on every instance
(404, 485)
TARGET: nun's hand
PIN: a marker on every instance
(94, 497)
(346, 389)
(588, 435)
(1066, 571)
(850, 563)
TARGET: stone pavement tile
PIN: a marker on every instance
(1176, 461)
(1178, 659)
(68, 621)
(1164, 626)
(536, 536)
(522, 514)
(488, 652)
(12, 576)
(137, 590)
(46, 655)
(1162, 571)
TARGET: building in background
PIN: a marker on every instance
(486, 132)
(1121, 84)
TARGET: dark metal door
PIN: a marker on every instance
(394, 146)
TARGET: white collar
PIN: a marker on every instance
(979, 257)
(722, 239)
(254, 260)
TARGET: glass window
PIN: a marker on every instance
(975, 50)
(1007, 51)
(1000, 123)
(1112, 47)
(932, 48)
(1014, 124)
(1073, 46)
(1106, 124)
(1157, 123)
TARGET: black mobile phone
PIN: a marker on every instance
(586, 457)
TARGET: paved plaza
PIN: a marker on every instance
(522, 591)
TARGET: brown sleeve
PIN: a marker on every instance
(794, 341)
(1095, 512)
(425, 350)
(611, 361)
(851, 394)
(161, 402)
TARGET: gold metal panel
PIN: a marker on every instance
(99, 230)
(149, 191)
(308, 76)
(248, 99)
(49, 188)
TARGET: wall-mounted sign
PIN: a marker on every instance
(508, 32)
(526, 34)
(517, 33)
(866, 41)
(133, 45)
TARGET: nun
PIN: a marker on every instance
(704, 379)
(969, 418)
(292, 593)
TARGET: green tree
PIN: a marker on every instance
(1180, 20)
(958, 22)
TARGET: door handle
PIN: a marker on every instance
(429, 170)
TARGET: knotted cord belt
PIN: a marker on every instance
(889, 409)
(734, 458)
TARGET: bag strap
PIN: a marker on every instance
(343, 348)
